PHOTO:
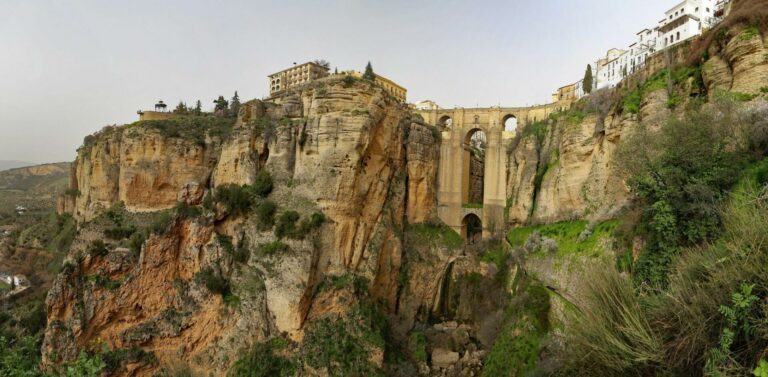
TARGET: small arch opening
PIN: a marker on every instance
(445, 121)
(472, 229)
(510, 123)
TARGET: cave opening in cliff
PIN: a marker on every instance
(510, 123)
(474, 168)
(472, 229)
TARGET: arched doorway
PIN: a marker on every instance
(472, 229)
(475, 144)
(445, 121)
(510, 123)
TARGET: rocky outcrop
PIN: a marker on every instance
(139, 167)
(348, 151)
(738, 63)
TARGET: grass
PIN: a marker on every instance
(191, 127)
(436, 232)
(566, 234)
(526, 323)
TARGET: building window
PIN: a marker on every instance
(678, 36)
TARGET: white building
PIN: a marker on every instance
(684, 21)
(610, 68)
(426, 105)
(644, 47)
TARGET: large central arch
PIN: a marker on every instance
(473, 168)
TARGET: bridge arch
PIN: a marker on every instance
(471, 228)
(473, 167)
(510, 123)
(445, 121)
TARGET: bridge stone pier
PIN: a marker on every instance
(472, 176)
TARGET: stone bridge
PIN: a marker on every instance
(459, 205)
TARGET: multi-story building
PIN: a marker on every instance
(684, 21)
(390, 86)
(296, 75)
(565, 93)
(644, 47)
(609, 71)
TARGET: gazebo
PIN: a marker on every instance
(160, 106)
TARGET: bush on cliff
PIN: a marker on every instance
(191, 127)
(680, 176)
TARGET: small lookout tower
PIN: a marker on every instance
(160, 106)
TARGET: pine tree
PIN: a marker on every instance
(198, 110)
(181, 108)
(222, 106)
(369, 75)
(234, 105)
(587, 83)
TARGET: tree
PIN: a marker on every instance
(181, 108)
(221, 106)
(234, 105)
(198, 110)
(587, 83)
(323, 63)
(369, 75)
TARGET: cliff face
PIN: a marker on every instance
(347, 150)
(565, 172)
(139, 167)
(738, 62)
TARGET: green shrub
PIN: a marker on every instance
(161, 223)
(137, 241)
(191, 127)
(348, 81)
(286, 224)
(307, 225)
(119, 233)
(186, 211)
(212, 279)
(19, 357)
(610, 335)
(242, 254)
(115, 359)
(98, 248)
(265, 214)
(431, 232)
(417, 345)
(272, 248)
(515, 351)
(342, 345)
(262, 184)
(85, 366)
(237, 199)
(262, 361)
(681, 174)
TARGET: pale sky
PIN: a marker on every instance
(68, 68)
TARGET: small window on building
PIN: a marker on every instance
(678, 36)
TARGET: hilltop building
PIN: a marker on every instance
(684, 21)
(565, 93)
(390, 86)
(159, 113)
(296, 75)
(426, 105)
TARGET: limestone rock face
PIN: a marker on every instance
(350, 152)
(741, 65)
(139, 167)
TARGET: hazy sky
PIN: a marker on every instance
(67, 68)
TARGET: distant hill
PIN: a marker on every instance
(33, 187)
(40, 179)
(5, 164)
